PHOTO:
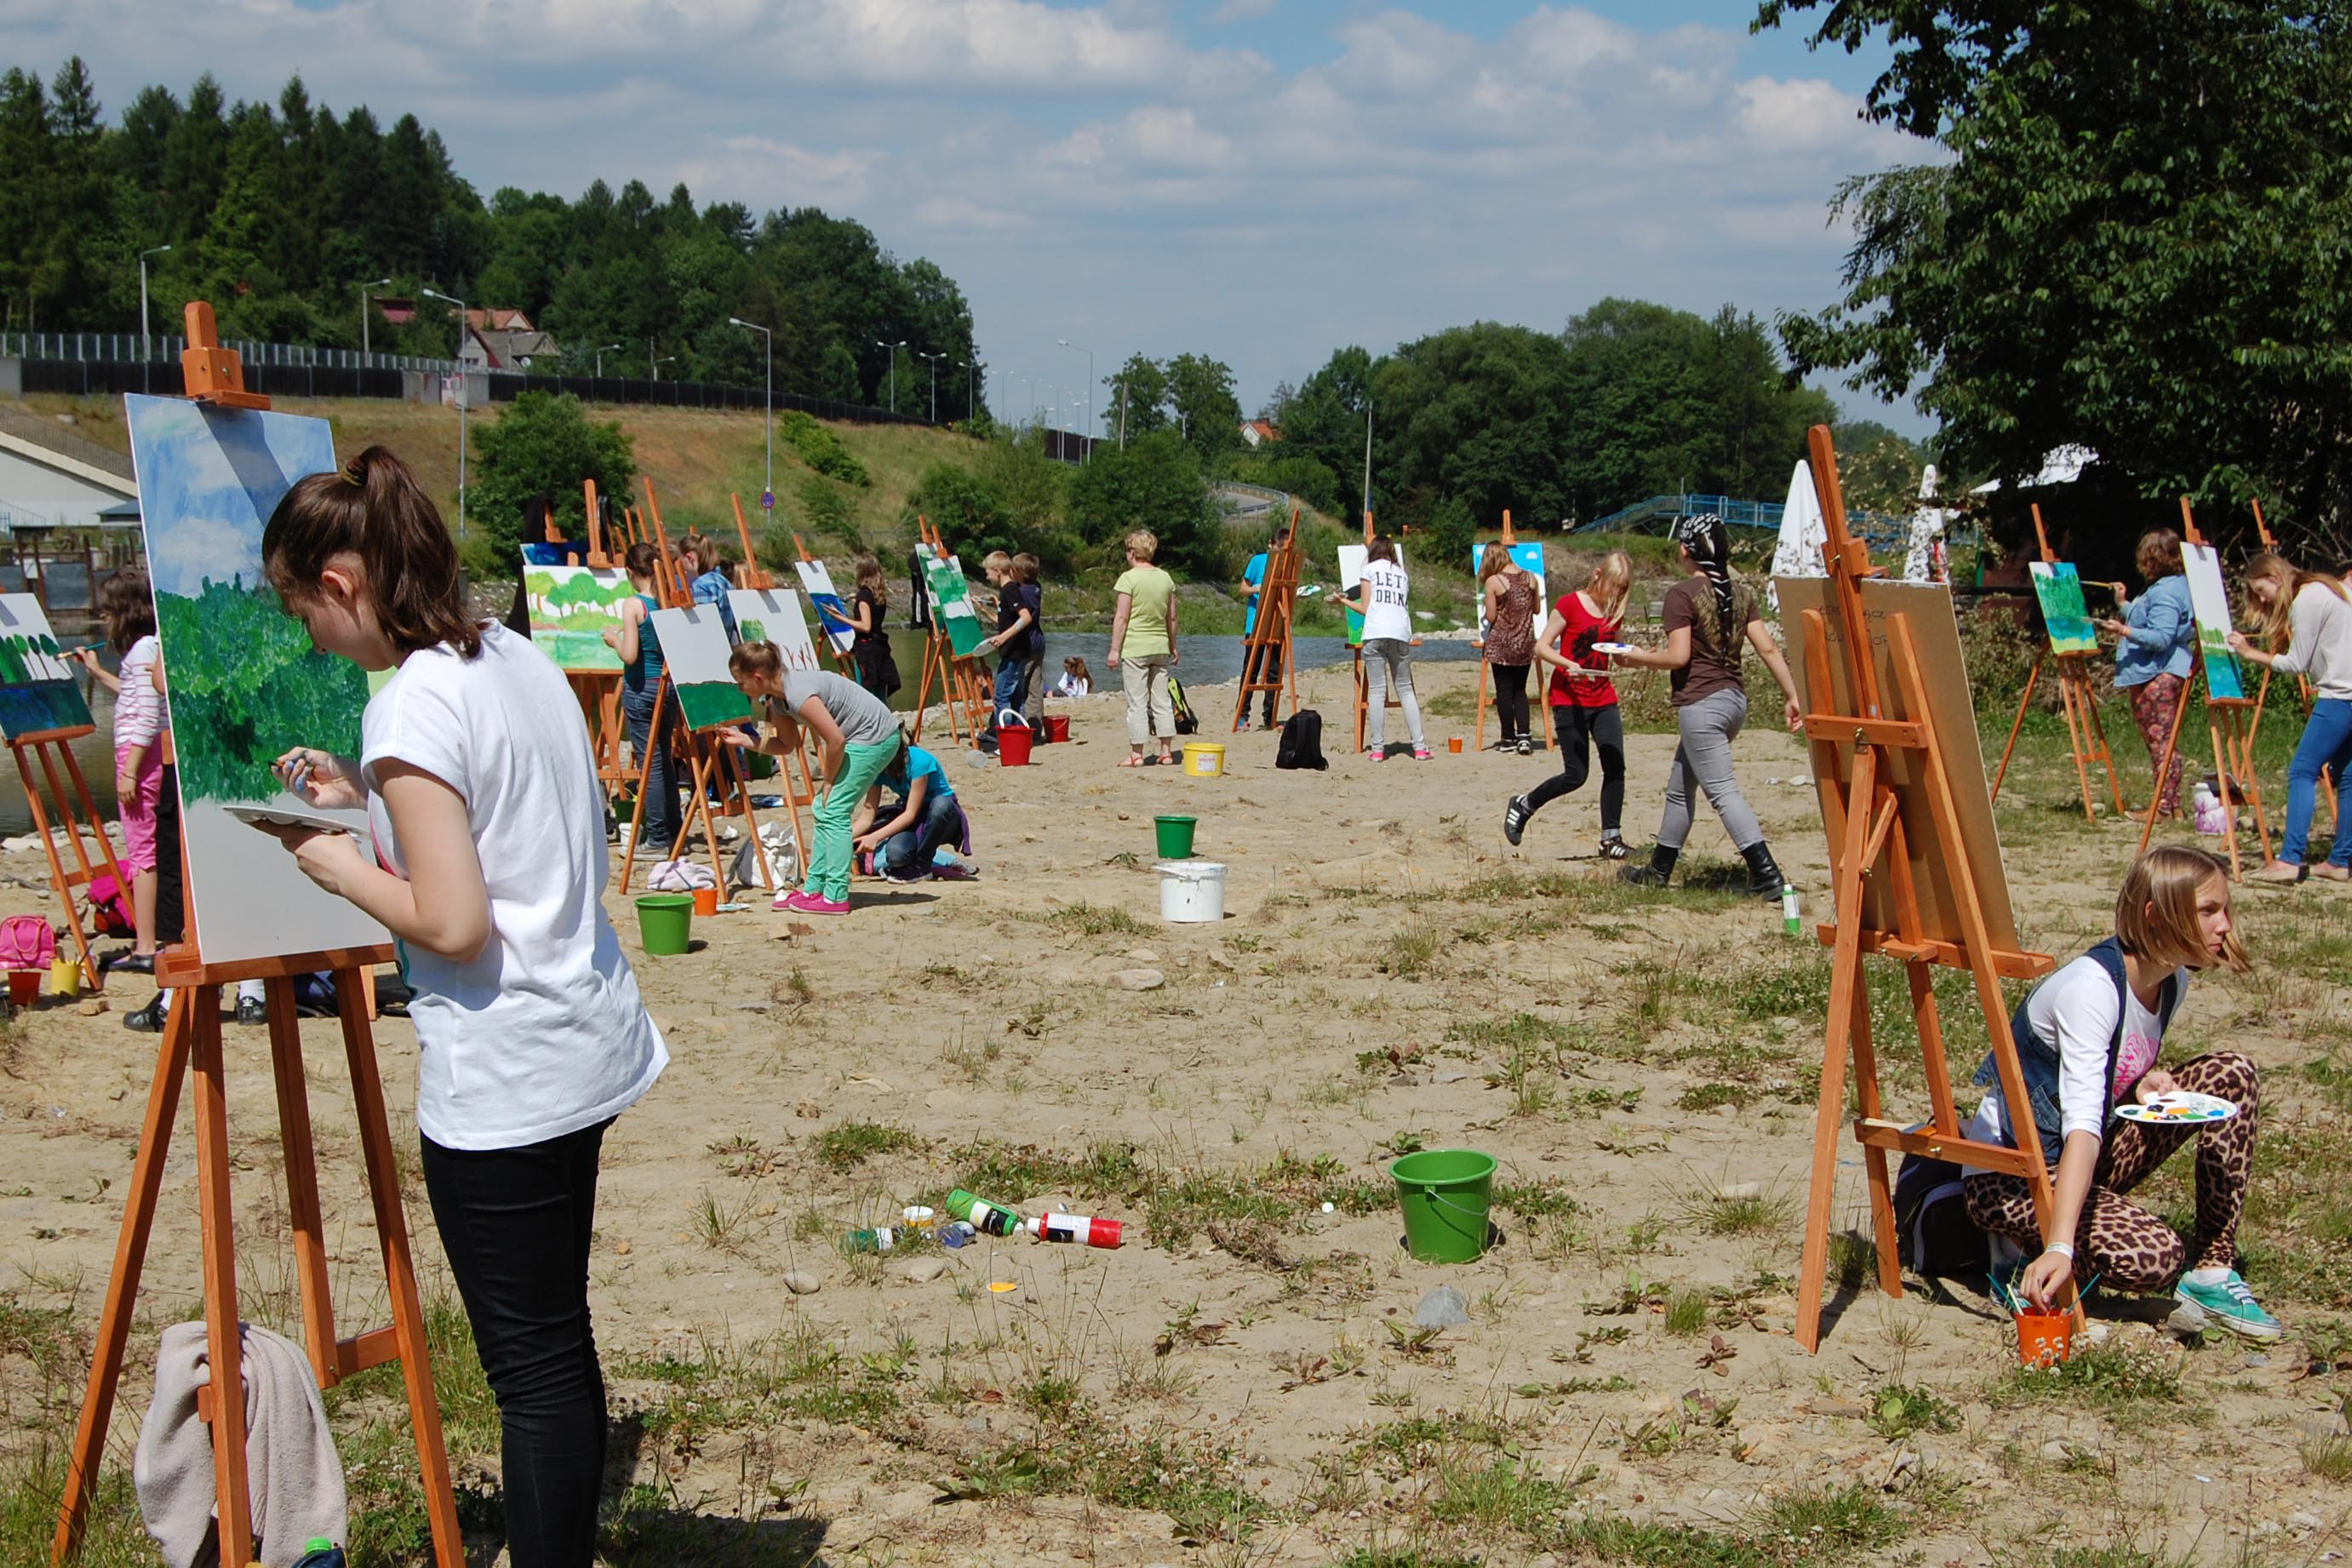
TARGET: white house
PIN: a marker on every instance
(51, 478)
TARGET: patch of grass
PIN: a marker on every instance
(1737, 1209)
(852, 1143)
(1898, 1410)
(1539, 1199)
(1413, 952)
(1687, 1313)
(1711, 1097)
(1083, 918)
(2117, 1376)
(2329, 1459)
(1833, 1520)
(1165, 1470)
(1013, 1174)
(369, 1412)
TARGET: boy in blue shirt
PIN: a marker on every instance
(1253, 578)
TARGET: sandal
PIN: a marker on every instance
(1131, 761)
(1158, 762)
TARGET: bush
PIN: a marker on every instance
(1155, 484)
(821, 449)
(829, 511)
(964, 510)
(1307, 479)
(543, 445)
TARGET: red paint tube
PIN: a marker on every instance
(1075, 1227)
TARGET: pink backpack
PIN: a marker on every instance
(26, 942)
(110, 911)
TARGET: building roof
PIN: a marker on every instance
(45, 441)
(512, 350)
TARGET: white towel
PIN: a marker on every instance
(292, 1475)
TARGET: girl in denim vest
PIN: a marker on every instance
(2088, 1039)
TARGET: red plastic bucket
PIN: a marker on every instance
(1057, 728)
(1012, 744)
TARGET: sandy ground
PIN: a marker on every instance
(1336, 1012)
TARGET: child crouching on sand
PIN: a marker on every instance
(904, 836)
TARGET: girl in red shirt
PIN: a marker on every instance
(1583, 701)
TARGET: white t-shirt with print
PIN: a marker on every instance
(1386, 613)
(543, 1033)
(2074, 1009)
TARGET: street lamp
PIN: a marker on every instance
(894, 349)
(366, 342)
(602, 350)
(659, 359)
(971, 369)
(935, 383)
(1090, 392)
(767, 494)
(146, 346)
(465, 397)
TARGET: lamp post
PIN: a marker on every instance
(465, 397)
(146, 345)
(768, 492)
(971, 369)
(367, 344)
(935, 381)
(1090, 392)
(602, 350)
(894, 349)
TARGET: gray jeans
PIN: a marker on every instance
(1707, 726)
(1388, 661)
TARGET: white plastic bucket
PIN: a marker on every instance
(1191, 892)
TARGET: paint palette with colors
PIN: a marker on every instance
(2181, 1106)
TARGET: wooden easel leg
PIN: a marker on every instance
(1836, 1048)
(2245, 752)
(223, 1347)
(2213, 722)
(1873, 1158)
(302, 1175)
(2099, 734)
(400, 1278)
(2164, 766)
(59, 882)
(122, 1284)
(2077, 723)
(1485, 676)
(645, 782)
(2023, 703)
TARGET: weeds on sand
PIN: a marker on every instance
(853, 1143)
(1898, 1410)
(1083, 918)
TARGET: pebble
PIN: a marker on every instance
(1443, 1308)
(91, 1007)
(2258, 1359)
(802, 1283)
(1737, 1190)
(922, 1271)
(1854, 1409)
(2303, 1520)
(1143, 955)
(1139, 980)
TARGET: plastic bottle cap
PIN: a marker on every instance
(318, 1543)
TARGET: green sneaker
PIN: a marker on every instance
(2232, 1305)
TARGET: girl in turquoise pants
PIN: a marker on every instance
(856, 735)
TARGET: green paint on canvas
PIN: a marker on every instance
(710, 703)
(244, 674)
(2060, 591)
(572, 608)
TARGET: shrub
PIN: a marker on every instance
(821, 449)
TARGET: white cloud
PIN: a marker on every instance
(1798, 116)
(797, 175)
(954, 212)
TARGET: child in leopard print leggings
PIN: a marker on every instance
(2088, 1039)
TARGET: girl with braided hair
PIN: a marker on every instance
(1707, 616)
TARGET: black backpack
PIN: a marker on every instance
(1187, 721)
(1937, 1237)
(1302, 741)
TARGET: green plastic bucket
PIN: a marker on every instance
(1175, 835)
(1444, 1193)
(664, 921)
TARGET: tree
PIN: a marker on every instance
(2127, 241)
(1326, 421)
(965, 511)
(1200, 391)
(1475, 414)
(1029, 484)
(543, 445)
(1139, 394)
(1154, 484)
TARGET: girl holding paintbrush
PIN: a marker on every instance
(2087, 1041)
(531, 1038)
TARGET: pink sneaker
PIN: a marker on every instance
(1421, 754)
(813, 904)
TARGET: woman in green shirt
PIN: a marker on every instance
(1143, 650)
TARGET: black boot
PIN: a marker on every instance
(149, 1020)
(1656, 873)
(1764, 878)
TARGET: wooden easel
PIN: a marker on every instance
(77, 817)
(719, 763)
(2227, 724)
(2078, 692)
(1890, 766)
(958, 674)
(2301, 686)
(1485, 665)
(192, 1042)
(1269, 636)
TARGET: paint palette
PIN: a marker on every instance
(1615, 647)
(325, 819)
(2181, 1107)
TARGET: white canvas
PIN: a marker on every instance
(818, 584)
(1803, 531)
(774, 614)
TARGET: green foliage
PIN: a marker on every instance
(1155, 484)
(247, 686)
(1029, 485)
(966, 512)
(544, 445)
(827, 505)
(2125, 201)
(821, 449)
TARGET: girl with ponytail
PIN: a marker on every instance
(482, 797)
(1707, 616)
(2304, 622)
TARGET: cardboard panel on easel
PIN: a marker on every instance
(1951, 715)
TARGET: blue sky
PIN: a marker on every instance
(1257, 180)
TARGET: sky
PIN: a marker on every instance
(1260, 181)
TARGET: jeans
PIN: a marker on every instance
(1150, 709)
(1581, 731)
(1388, 661)
(516, 1223)
(908, 853)
(828, 867)
(1012, 687)
(1705, 758)
(1511, 700)
(2327, 743)
(665, 818)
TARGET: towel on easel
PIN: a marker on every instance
(292, 1475)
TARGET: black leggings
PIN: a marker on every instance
(1511, 700)
(1580, 731)
(516, 1225)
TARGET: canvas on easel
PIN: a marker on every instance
(210, 472)
(951, 652)
(2228, 712)
(42, 713)
(2074, 643)
(699, 695)
(1915, 868)
(832, 612)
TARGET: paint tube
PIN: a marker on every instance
(1076, 1227)
(988, 1218)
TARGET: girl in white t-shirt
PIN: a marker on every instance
(1388, 647)
(482, 795)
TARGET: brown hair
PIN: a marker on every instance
(373, 508)
(126, 608)
(1143, 543)
(2158, 554)
(643, 561)
(1493, 560)
(868, 571)
(1381, 549)
(2269, 624)
(699, 545)
(1076, 666)
(2156, 912)
(1616, 569)
(1027, 566)
(760, 658)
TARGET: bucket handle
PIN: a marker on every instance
(1440, 1199)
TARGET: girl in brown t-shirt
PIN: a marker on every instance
(1707, 617)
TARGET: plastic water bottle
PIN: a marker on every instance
(1791, 922)
(956, 1233)
(319, 1552)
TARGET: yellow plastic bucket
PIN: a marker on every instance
(1204, 758)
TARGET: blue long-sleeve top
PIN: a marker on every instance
(2161, 635)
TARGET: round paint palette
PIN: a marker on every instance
(2181, 1107)
(1615, 647)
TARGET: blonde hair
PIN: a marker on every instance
(761, 659)
(1616, 570)
(2156, 912)
(1143, 544)
(997, 561)
(1027, 566)
(2269, 623)
(1493, 560)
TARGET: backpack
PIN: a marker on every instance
(1932, 1229)
(1187, 721)
(26, 942)
(1302, 741)
(110, 911)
